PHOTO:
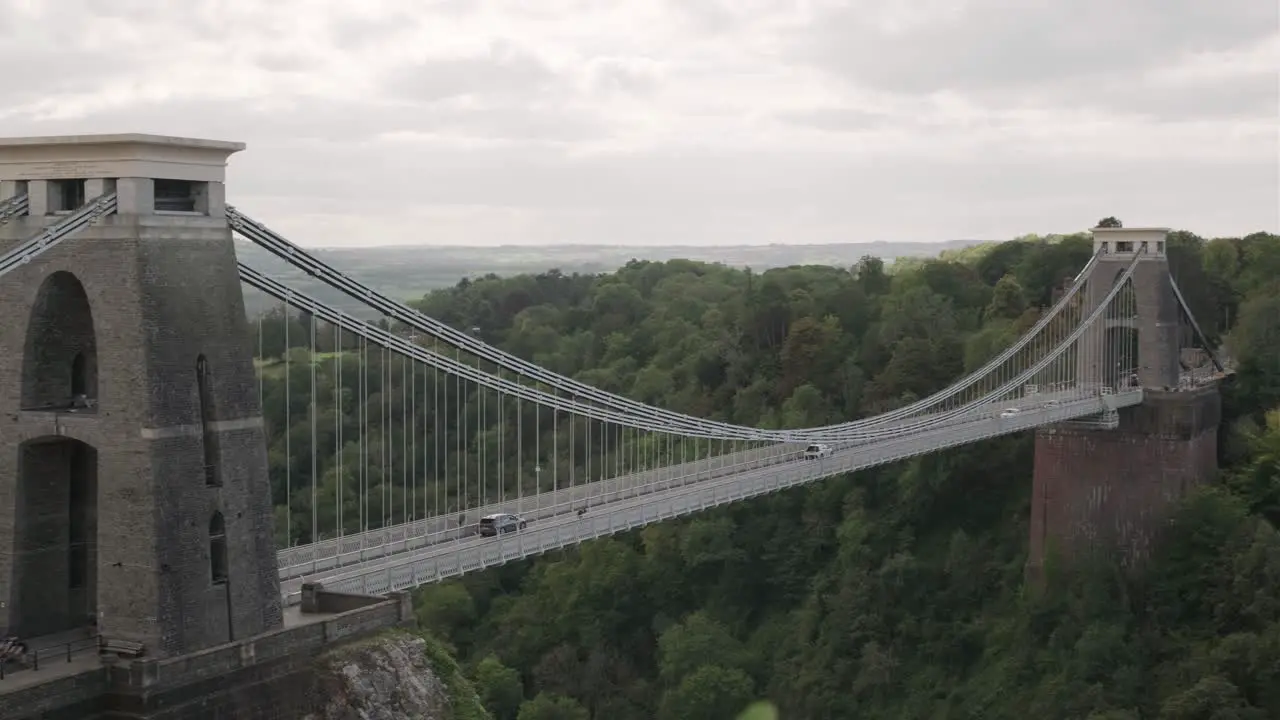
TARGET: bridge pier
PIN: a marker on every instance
(134, 499)
(1111, 490)
(137, 557)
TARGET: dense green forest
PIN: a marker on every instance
(893, 593)
(407, 271)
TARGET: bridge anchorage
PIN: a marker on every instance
(138, 505)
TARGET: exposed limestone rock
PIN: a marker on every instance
(385, 678)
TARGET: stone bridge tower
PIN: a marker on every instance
(133, 474)
(1108, 485)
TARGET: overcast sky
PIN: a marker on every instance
(708, 122)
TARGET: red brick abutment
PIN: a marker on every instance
(1111, 491)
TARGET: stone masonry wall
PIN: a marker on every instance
(268, 677)
(1112, 489)
(162, 291)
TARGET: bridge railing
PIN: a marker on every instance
(359, 547)
(369, 545)
(453, 560)
(333, 553)
(57, 652)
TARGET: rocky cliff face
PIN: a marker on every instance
(394, 676)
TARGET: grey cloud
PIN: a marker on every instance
(613, 76)
(295, 166)
(326, 120)
(282, 63)
(139, 10)
(191, 118)
(997, 44)
(838, 119)
(709, 198)
(59, 52)
(720, 182)
(557, 10)
(68, 21)
(70, 13)
(526, 124)
(505, 71)
(707, 16)
(311, 156)
(44, 70)
(351, 33)
(1247, 96)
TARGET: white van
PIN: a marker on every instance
(817, 450)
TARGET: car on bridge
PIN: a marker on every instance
(491, 525)
(1010, 412)
(817, 451)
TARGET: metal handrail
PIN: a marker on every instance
(67, 650)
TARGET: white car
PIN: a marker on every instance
(816, 451)
(1011, 412)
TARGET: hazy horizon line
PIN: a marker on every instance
(616, 247)
(607, 246)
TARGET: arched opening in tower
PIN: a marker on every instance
(1120, 349)
(55, 565)
(60, 363)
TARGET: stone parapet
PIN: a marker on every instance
(264, 677)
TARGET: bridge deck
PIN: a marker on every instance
(432, 563)
(352, 550)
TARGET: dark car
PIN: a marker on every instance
(491, 525)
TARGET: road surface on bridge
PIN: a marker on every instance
(432, 563)
(307, 560)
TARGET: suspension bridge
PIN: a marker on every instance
(449, 429)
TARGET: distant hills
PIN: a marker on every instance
(406, 272)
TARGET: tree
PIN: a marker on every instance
(956, 282)
(768, 314)
(499, 688)
(547, 706)
(1109, 222)
(1258, 482)
(1255, 345)
(442, 606)
(806, 354)
(805, 408)
(1212, 698)
(917, 313)
(871, 275)
(895, 592)
(615, 306)
(698, 641)
(999, 259)
(1008, 300)
(708, 692)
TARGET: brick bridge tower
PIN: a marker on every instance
(1109, 485)
(133, 470)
